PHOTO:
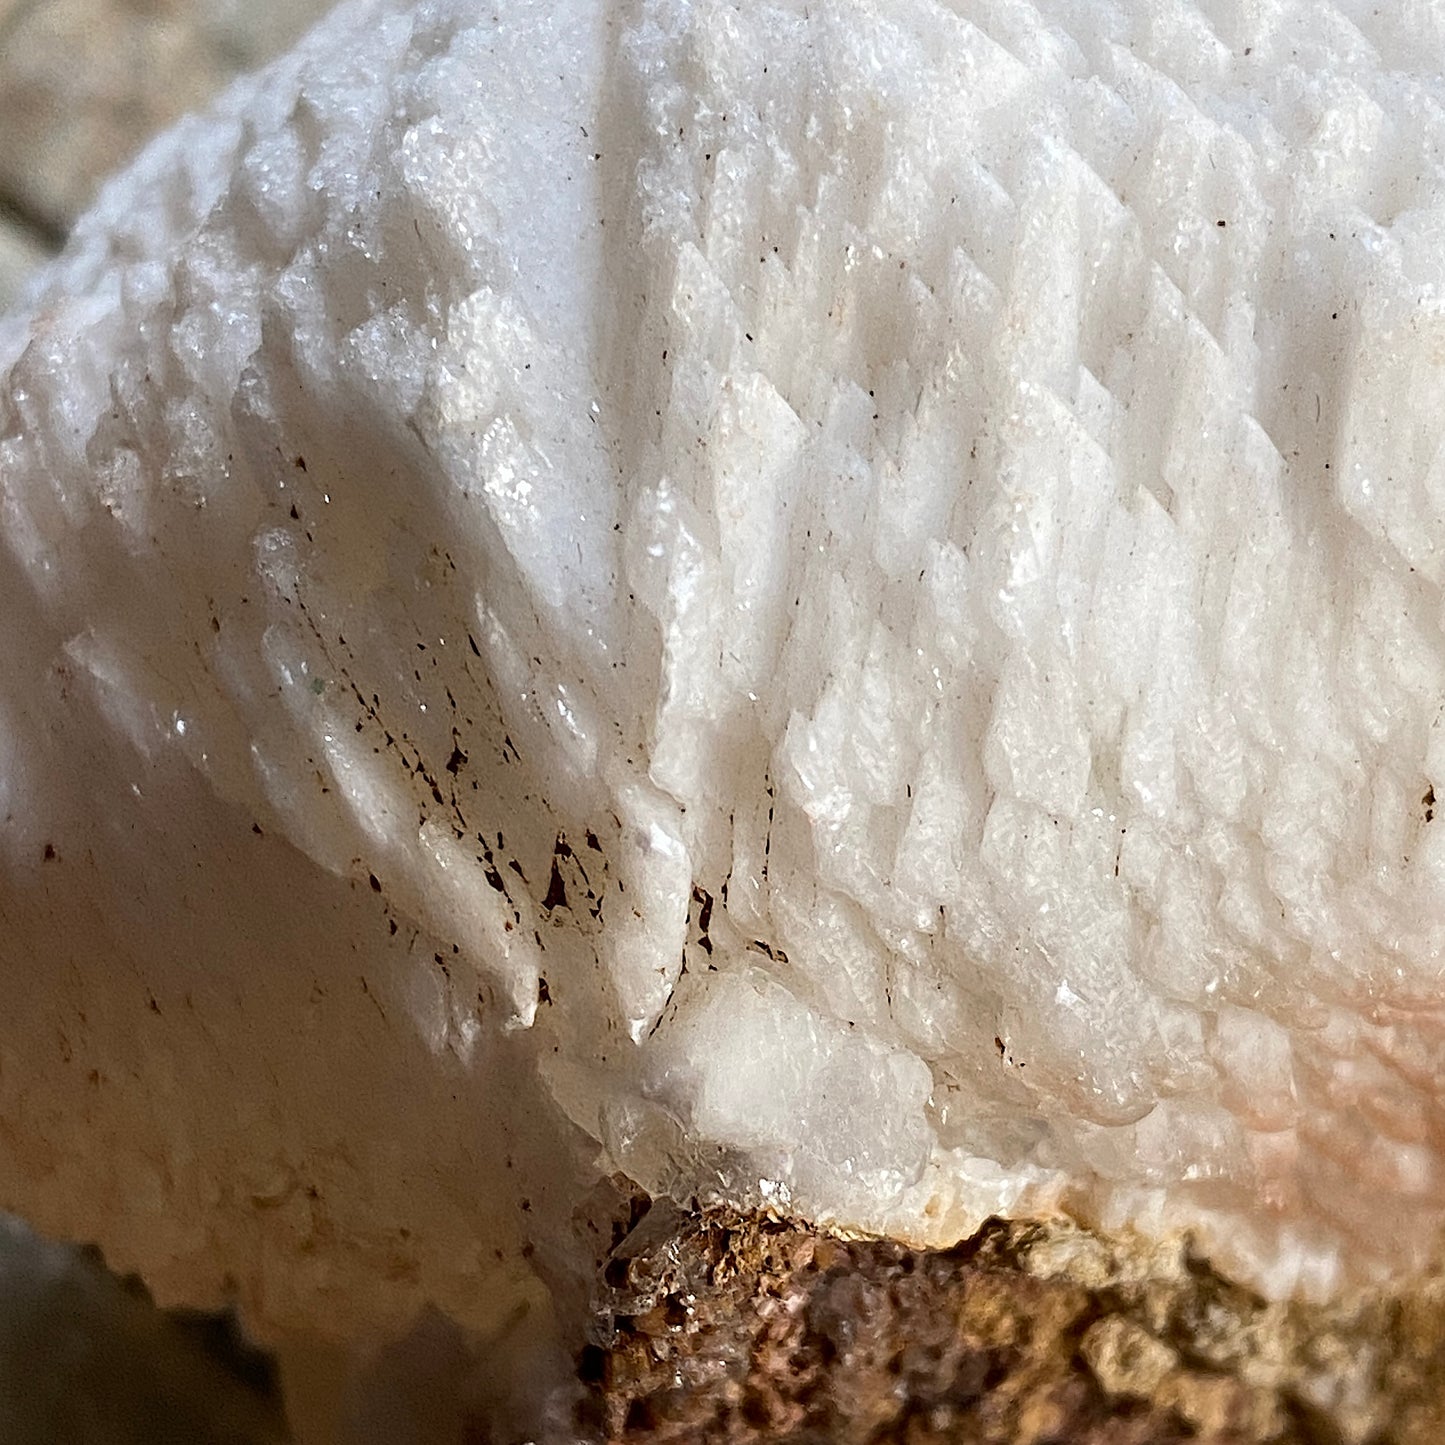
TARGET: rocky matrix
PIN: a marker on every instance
(834, 607)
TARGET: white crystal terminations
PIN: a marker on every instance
(836, 604)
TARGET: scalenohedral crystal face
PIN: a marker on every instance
(833, 604)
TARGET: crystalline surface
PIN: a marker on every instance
(835, 604)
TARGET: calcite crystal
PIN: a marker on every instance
(834, 606)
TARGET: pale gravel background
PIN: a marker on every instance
(85, 83)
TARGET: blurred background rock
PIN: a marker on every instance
(85, 83)
(87, 1359)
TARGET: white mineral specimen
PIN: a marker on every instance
(833, 603)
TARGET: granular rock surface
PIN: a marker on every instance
(719, 1326)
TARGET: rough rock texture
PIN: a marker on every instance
(835, 607)
(721, 1327)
